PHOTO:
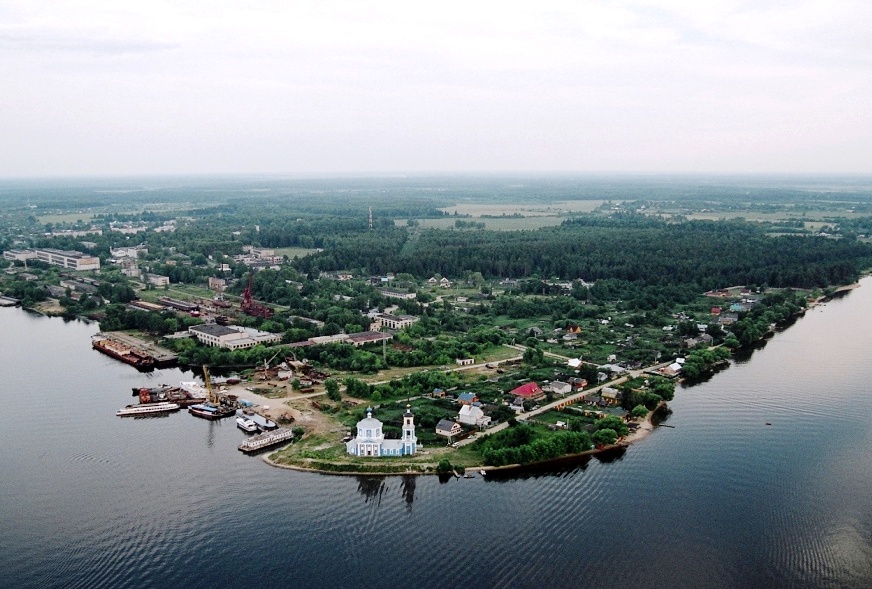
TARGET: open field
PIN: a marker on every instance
(66, 218)
(498, 224)
(527, 209)
(294, 252)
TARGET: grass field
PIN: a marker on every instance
(294, 252)
(499, 224)
(66, 218)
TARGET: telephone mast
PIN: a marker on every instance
(370, 218)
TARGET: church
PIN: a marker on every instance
(370, 440)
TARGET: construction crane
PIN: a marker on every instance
(212, 398)
(249, 307)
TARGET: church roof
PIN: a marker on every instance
(369, 421)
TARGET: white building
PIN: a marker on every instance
(370, 439)
(157, 279)
(231, 337)
(19, 255)
(473, 415)
(393, 293)
(392, 321)
(68, 259)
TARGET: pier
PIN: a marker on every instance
(8, 301)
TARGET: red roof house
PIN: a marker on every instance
(528, 390)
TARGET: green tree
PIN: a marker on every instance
(639, 411)
(332, 389)
(604, 437)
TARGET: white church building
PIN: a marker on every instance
(370, 439)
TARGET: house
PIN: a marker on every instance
(577, 383)
(517, 405)
(473, 415)
(728, 318)
(612, 396)
(529, 391)
(465, 361)
(467, 398)
(574, 363)
(559, 387)
(444, 283)
(448, 428)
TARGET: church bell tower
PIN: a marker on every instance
(410, 442)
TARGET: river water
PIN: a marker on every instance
(721, 499)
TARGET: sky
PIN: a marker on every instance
(92, 87)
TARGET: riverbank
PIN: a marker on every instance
(380, 466)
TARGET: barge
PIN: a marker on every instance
(123, 352)
(266, 440)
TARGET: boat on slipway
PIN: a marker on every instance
(147, 409)
(216, 406)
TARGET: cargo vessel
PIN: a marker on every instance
(123, 352)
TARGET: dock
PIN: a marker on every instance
(160, 355)
(266, 440)
(8, 301)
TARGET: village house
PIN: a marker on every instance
(611, 395)
(467, 398)
(559, 387)
(448, 428)
(528, 391)
(473, 415)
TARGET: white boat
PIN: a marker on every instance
(246, 424)
(263, 424)
(147, 409)
(194, 388)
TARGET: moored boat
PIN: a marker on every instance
(262, 423)
(147, 409)
(266, 440)
(246, 424)
(123, 352)
(210, 411)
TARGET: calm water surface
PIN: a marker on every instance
(720, 500)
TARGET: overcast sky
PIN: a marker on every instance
(130, 87)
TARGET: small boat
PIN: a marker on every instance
(482, 472)
(246, 424)
(147, 409)
(468, 476)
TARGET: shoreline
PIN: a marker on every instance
(646, 427)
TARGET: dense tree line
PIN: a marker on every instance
(521, 445)
(626, 249)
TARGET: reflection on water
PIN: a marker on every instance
(720, 498)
